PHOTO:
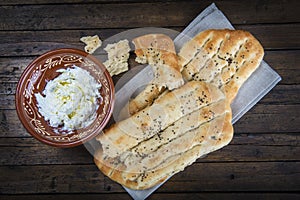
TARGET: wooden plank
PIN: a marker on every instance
(29, 151)
(38, 2)
(257, 147)
(268, 139)
(59, 36)
(8, 87)
(29, 43)
(268, 34)
(270, 119)
(130, 15)
(284, 62)
(10, 125)
(263, 176)
(51, 179)
(34, 48)
(156, 196)
(271, 36)
(12, 67)
(231, 196)
(7, 101)
(281, 94)
(275, 116)
(259, 139)
(237, 176)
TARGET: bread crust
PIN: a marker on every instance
(158, 51)
(225, 58)
(203, 143)
(194, 119)
(163, 112)
(144, 98)
(192, 134)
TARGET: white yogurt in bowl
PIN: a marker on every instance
(70, 101)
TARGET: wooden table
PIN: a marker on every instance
(263, 159)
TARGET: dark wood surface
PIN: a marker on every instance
(261, 162)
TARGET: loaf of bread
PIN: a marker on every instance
(170, 130)
(225, 58)
(165, 137)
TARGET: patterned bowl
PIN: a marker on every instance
(34, 79)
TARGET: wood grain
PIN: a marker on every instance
(237, 176)
(287, 94)
(173, 196)
(28, 43)
(261, 162)
(286, 63)
(244, 147)
(269, 119)
(253, 122)
(139, 14)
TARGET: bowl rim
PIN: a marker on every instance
(105, 119)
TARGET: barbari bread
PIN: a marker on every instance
(162, 113)
(225, 58)
(195, 121)
(169, 130)
(158, 51)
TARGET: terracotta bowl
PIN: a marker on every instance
(34, 79)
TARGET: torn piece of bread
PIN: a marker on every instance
(193, 134)
(158, 51)
(118, 55)
(92, 43)
(225, 58)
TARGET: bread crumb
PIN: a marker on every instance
(118, 55)
(92, 43)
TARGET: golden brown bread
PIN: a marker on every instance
(225, 58)
(191, 134)
(144, 98)
(186, 123)
(163, 112)
(158, 51)
(118, 55)
(92, 43)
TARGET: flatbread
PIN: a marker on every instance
(188, 134)
(225, 58)
(179, 126)
(158, 51)
(163, 112)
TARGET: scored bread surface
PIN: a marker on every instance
(163, 112)
(225, 58)
(150, 158)
(169, 130)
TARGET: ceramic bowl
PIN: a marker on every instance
(34, 79)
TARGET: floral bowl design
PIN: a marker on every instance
(34, 79)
